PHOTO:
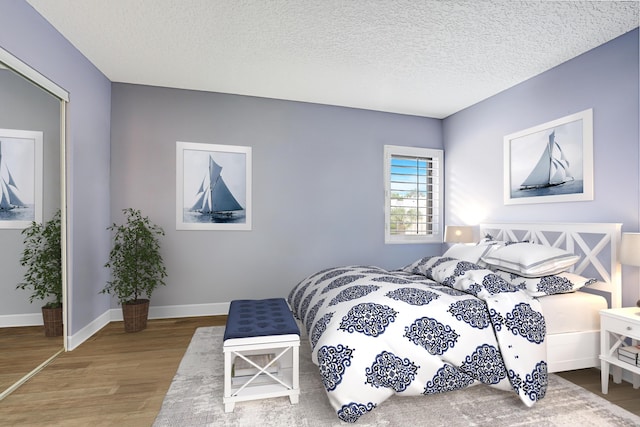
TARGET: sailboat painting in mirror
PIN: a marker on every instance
(552, 162)
(20, 178)
(213, 187)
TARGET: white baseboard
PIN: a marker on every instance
(159, 312)
(73, 341)
(173, 311)
(191, 310)
(28, 319)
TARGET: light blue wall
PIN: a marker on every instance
(317, 187)
(605, 79)
(25, 34)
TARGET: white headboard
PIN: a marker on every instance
(596, 243)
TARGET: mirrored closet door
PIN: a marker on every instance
(32, 188)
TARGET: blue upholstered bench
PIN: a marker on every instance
(261, 346)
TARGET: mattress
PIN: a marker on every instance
(572, 312)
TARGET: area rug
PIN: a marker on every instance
(195, 399)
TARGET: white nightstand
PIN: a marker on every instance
(616, 324)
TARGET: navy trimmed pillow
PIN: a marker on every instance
(561, 283)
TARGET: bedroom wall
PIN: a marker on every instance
(328, 209)
(317, 188)
(605, 79)
(25, 34)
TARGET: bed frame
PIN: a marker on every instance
(597, 244)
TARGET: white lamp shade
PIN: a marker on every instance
(630, 249)
(458, 234)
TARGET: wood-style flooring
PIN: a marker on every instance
(112, 379)
(120, 379)
(22, 350)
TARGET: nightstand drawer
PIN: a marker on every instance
(621, 326)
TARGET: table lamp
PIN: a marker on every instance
(459, 234)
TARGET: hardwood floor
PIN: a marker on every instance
(120, 379)
(15, 343)
(113, 379)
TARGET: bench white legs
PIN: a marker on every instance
(262, 382)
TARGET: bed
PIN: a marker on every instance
(573, 340)
(444, 323)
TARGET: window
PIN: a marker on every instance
(413, 194)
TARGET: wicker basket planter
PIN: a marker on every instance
(135, 315)
(52, 318)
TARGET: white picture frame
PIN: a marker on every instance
(21, 178)
(213, 187)
(551, 162)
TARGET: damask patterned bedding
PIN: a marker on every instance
(437, 325)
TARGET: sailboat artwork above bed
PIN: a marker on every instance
(551, 162)
(214, 197)
(552, 168)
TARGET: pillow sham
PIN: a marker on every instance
(464, 252)
(561, 283)
(530, 259)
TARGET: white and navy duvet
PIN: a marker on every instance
(437, 325)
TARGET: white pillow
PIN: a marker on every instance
(464, 252)
(530, 259)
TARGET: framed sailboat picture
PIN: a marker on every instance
(213, 187)
(552, 162)
(21, 163)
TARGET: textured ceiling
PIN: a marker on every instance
(426, 58)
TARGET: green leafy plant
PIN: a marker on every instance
(136, 265)
(42, 256)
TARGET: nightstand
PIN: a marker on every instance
(616, 324)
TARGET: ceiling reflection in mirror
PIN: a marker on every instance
(27, 180)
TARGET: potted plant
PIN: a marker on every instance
(42, 257)
(136, 267)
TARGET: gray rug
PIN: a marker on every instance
(195, 399)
